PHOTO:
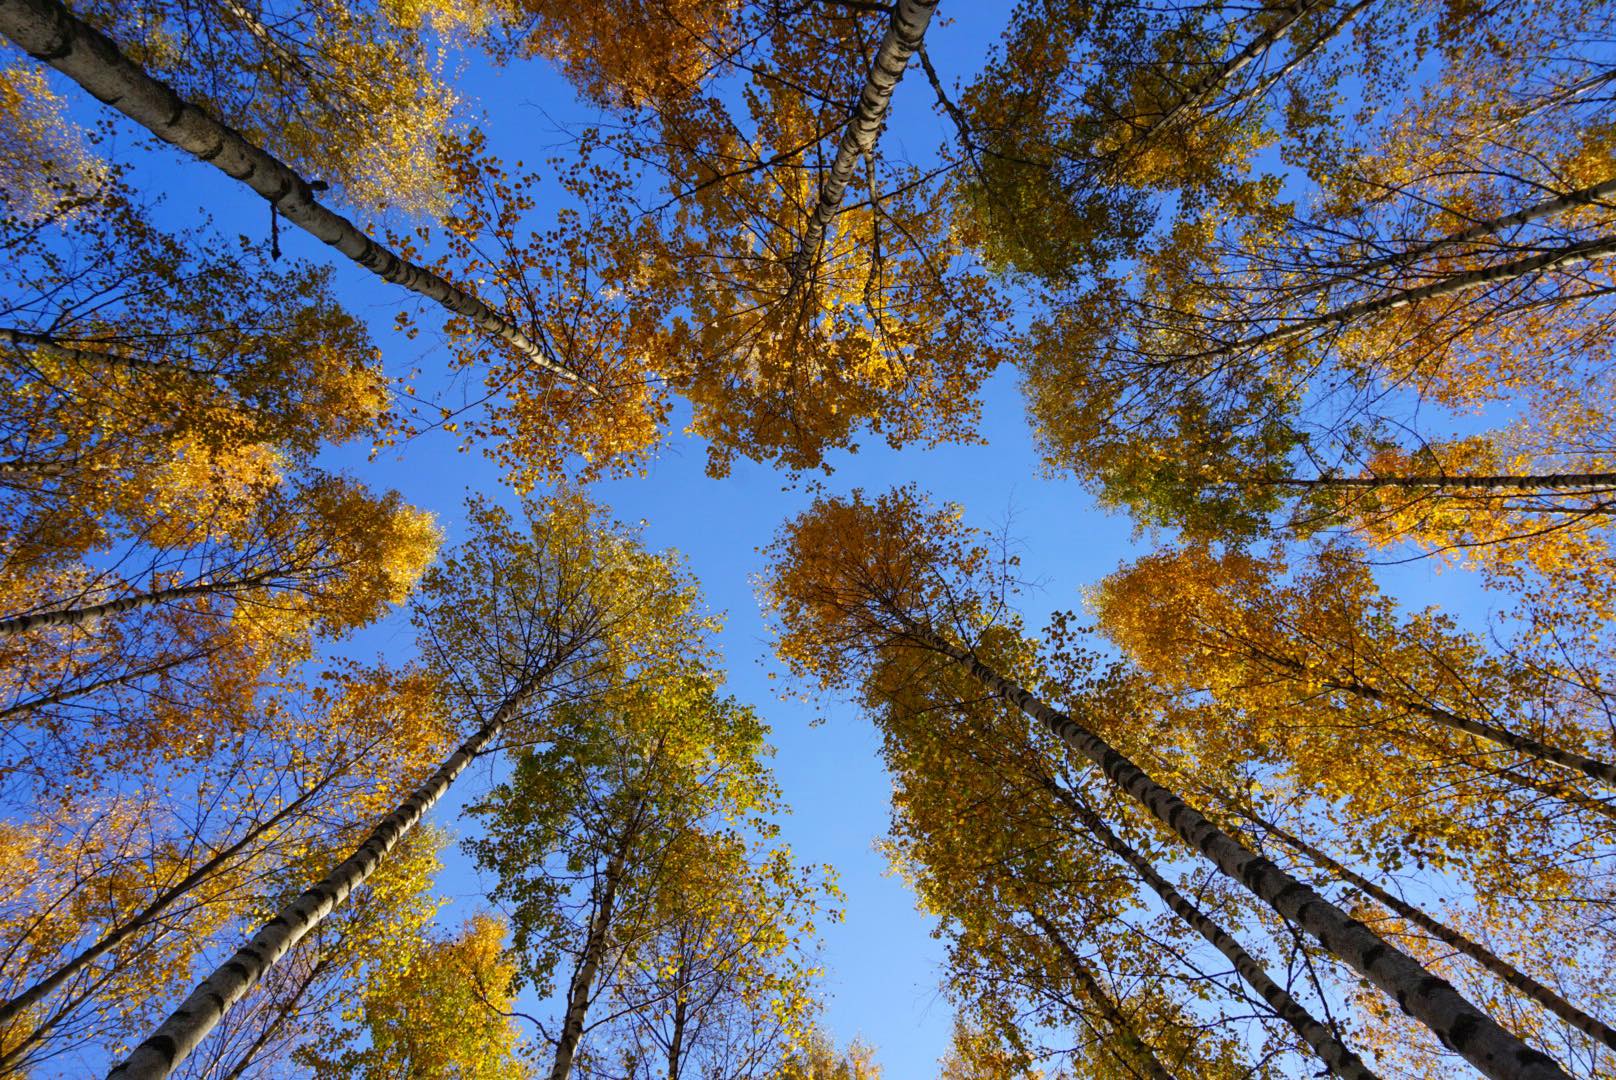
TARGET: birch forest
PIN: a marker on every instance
(808, 539)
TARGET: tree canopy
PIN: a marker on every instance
(1314, 295)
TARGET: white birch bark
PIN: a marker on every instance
(903, 37)
(1491, 961)
(583, 980)
(50, 33)
(1336, 1057)
(78, 616)
(1461, 1026)
(189, 1024)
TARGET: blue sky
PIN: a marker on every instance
(883, 973)
(882, 965)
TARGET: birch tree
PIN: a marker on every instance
(290, 1019)
(1530, 962)
(735, 118)
(354, 94)
(1338, 315)
(611, 845)
(1451, 714)
(853, 578)
(1425, 738)
(45, 28)
(1043, 920)
(1543, 995)
(115, 889)
(546, 611)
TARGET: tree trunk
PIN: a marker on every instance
(1460, 1025)
(1493, 963)
(50, 346)
(1340, 1060)
(583, 980)
(16, 470)
(1298, 56)
(17, 1054)
(1592, 767)
(1102, 1001)
(201, 1012)
(1569, 795)
(676, 1043)
(1253, 49)
(1563, 96)
(1546, 482)
(68, 693)
(49, 32)
(78, 616)
(55, 979)
(1454, 284)
(262, 34)
(903, 36)
(1547, 208)
(1558, 791)
(1481, 729)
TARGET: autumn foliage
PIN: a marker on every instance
(1317, 294)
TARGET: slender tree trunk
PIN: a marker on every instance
(1558, 791)
(1586, 196)
(1452, 285)
(68, 693)
(1096, 993)
(262, 34)
(112, 940)
(676, 1044)
(50, 33)
(1300, 55)
(1592, 767)
(1492, 962)
(17, 1055)
(1340, 1060)
(1546, 482)
(1569, 795)
(1602, 771)
(903, 36)
(583, 980)
(78, 616)
(201, 1012)
(20, 469)
(50, 346)
(1553, 101)
(1460, 1025)
(1252, 50)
